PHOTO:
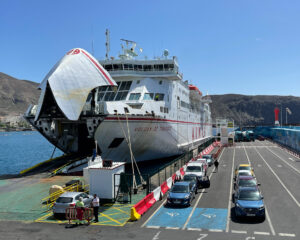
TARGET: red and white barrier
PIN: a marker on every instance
(169, 182)
(164, 188)
(157, 193)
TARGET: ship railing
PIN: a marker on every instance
(50, 200)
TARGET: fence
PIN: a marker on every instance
(76, 187)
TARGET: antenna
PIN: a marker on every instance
(107, 43)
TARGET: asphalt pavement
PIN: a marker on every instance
(210, 217)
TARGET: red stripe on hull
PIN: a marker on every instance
(153, 119)
(100, 69)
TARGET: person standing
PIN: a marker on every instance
(95, 205)
(216, 163)
(80, 209)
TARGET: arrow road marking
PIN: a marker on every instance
(209, 215)
(173, 214)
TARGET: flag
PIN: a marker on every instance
(288, 110)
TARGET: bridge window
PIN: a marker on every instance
(148, 96)
(159, 97)
(134, 96)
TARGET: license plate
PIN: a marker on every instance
(250, 214)
(177, 201)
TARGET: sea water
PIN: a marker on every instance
(21, 150)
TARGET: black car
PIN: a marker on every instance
(193, 179)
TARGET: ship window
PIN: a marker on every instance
(125, 85)
(135, 67)
(160, 82)
(159, 67)
(118, 67)
(89, 97)
(108, 67)
(126, 67)
(148, 96)
(121, 96)
(148, 67)
(116, 142)
(166, 110)
(100, 96)
(130, 66)
(162, 109)
(159, 97)
(140, 67)
(134, 96)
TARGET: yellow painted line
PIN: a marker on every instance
(121, 211)
(111, 218)
(43, 217)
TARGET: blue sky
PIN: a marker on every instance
(224, 46)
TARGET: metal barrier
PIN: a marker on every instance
(71, 214)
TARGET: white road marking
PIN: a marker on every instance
(278, 165)
(172, 214)
(292, 159)
(248, 238)
(266, 212)
(269, 221)
(194, 229)
(285, 161)
(241, 232)
(230, 193)
(156, 236)
(262, 233)
(295, 200)
(154, 213)
(172, 228)
(259, 165)
(200, 196)
(215, 230)
(287, 234)
(155, 227)
(209, 215)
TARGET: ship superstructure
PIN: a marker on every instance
(142, 105)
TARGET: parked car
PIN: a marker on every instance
(245, 181)
(204, 162)
(182, 194)
(69, 199)
(249, 203)
(192, 178)
(197, 169)
(243, 167)
(209, 159)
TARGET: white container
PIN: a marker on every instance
(101, 179)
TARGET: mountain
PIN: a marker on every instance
(255, 110)
(16, 95)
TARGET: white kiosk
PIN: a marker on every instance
(100, 175)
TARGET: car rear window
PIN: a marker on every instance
(180, 189)
(193, 169)
(244, 168)
(247, 183)
(64, 200)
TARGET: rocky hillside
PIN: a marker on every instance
(255, 110)
(16, 95)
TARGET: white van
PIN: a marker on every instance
(196, 168)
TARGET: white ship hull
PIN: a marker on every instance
(150, 138)
(123, 103)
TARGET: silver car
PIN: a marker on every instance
(69, 199)
(209, 159)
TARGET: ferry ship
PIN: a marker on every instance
(126, 107)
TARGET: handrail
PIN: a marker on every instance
(54, 196)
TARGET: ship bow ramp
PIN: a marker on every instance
(71, 80)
